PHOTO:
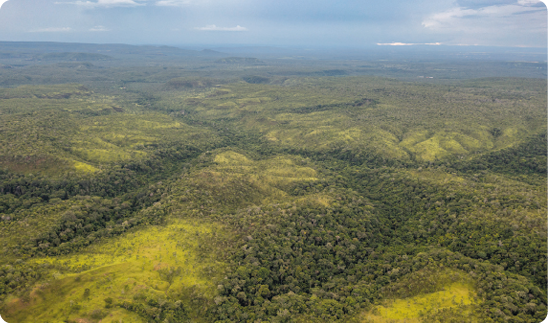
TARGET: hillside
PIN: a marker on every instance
(77, 57)
(239, 60)
(274, 199)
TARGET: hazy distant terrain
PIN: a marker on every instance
(111, 65)
(160, 184)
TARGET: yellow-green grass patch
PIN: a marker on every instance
(425, 296)
(124, 268)
(414, 308)
(275, 171)
(84, 168)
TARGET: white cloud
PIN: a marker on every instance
(173, 3)
(2, 2)
(407, 44)
(215, 28)
(395, 44)
(491, 16)
(438, 20)
(99, 28)
(523, 23)
(469, 19)
(105, 3)
(529, 2)
(131, 3)
(51, 30)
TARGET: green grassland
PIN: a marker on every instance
(414, 309)
(152, 266)
(294, 199)
(424, 295)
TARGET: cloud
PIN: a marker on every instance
(438, 20)
(395, 44)
(2, 2)
(99, 28)
(523, 21)
(529, 2)
(51, 30)
(215, 28)
(172, 3)
(476, 4)
(104, 3)
(131, 3)
(460, 18)
(407, 44)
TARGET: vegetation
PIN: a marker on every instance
(238, 60)
(262, 197)
(142, 275)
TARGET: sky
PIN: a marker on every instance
(297, 23)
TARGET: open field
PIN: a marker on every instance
(153, 266)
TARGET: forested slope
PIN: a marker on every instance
(344, 199)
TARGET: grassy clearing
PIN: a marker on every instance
(275, 171)
(427, 296)
(132, 267)
(421, 308)
(272, 175)
(84, 168)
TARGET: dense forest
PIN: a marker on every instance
(212, 188)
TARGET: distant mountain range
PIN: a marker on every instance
(240, 60)
(80, 52)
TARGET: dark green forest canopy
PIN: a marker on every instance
(332, 198)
